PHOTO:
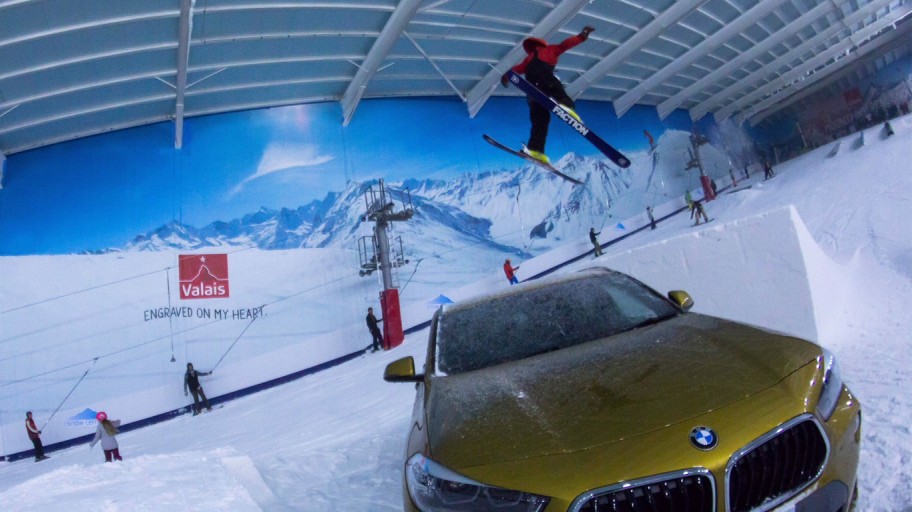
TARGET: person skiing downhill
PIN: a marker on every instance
(538, 68)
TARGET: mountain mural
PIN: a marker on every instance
(524, 210)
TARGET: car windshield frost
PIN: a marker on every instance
(542, 319)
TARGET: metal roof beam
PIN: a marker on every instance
(183, 58)
(86, 133)
(391, 32)
(761, 74)
(88, 26)
(120, 52)
(668, 106)
(667, 18)
(748, 18)
(555, 19)
(88, 110)
(796, 73)
(776, 102)
(435, 66)
(91, 85)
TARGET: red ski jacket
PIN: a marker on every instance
(546, 53)
(31, 428)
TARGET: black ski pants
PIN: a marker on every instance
(197, 393)
(542, 76)
(378, 339)
(39, 448)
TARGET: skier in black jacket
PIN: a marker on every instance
(374, 329)
(191, 380)
(595, 242)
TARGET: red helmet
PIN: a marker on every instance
(530, 43)
(101, 416)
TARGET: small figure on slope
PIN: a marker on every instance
(374, 329)
(191, 381)
(509, 270)
(593, 237)
(697, 209)
(538, 68)
(106, 433)
(35, 436)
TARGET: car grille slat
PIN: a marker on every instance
(691, 493)
(777, 468)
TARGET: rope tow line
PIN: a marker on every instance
(234, 343)
(70, 393)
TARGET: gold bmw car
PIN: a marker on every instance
(592, 392)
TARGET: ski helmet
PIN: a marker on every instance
(101, 416)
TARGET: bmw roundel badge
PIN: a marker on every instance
(703, 438)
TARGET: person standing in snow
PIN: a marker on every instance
(508, 270)
(191, 381)
(767, 170)
(593, 237)
(652, 221)
(35, 436)
(538, 67)
(697, 209)
(106, 433)
(374, 328)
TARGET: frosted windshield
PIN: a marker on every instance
(542, 319)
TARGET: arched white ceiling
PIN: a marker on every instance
(72, 69)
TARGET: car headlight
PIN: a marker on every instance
(434, 488)
(832, 386)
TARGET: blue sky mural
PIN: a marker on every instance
(102, 191)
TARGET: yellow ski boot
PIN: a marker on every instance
(541, 157)
(572, 113)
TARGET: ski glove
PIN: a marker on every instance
(585, 33)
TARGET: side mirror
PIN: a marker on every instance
(402, 370)
(681, 299)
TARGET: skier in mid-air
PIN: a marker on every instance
(538, 67)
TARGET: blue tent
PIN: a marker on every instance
(439, 301)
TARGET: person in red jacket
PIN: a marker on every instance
(35, 436)
(508, 270)
(538, 68)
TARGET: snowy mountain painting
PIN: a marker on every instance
(520, 210)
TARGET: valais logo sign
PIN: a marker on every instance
(203, 276)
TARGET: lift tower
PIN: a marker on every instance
(378, 252)
(697, 140)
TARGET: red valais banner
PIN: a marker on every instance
(203, 276)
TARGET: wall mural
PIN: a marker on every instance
(123, 258)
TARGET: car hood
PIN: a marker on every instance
(604, 391)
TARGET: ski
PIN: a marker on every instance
(533, 92)
(524, 156)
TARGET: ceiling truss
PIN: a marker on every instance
(73, 69)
